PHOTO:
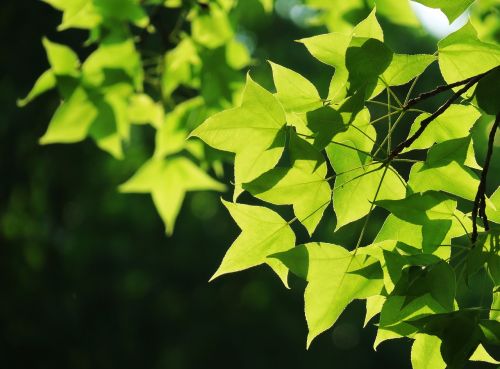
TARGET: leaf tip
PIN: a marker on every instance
(44, 140)
(21, 103)
(310, 338)
(217, 274)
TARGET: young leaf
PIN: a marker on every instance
(403, 69)
(44, 83)
(487, 92)
(432, 210)
(462, 55)
(493, 207)
(72, 120)
(295, 92)
(212, 29)
(426, 352)
(263, 233)
(168, 181)
(63, 61)
(453, 9)
(445, 170)
(480, 354)
(333, 281)
(369, 28)
(115, 56)
(254, 132)
(302, 185)
(455, 122)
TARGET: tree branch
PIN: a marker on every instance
(480, 200)
(438, 90)
(423, 125)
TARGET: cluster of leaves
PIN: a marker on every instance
(121, 83)
(295, 147)
(300, 149)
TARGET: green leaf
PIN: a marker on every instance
(421, 293)
(254, 132)
(462, 55)
(355, 190)
(491, 331)
(452, 178)
(168, 181)
(404, 68)
(72, 120)
(332, 281)
(267, 5)
(295, 92)
(455, 122)
(171, 134)
(44, 83)
(426, 352)
(480, 354)
(357, 175)
(369, 28)
(122, 10)
(398, 12)
(445, 170)
(412, 234)
(452, 8)
(77, 14)
(264, 233)
(373, 307)
(363, 77)
(182, 65)
(237, 54)
(63, 61)
(495, 309)
(212, 29)
(115, 56)
(143, 109)
(493, 207)
(331, 13)
(432, 210)
(394, 257)
(318, 126)
(390, 261)
(329, 48)
(111, 125)
(302, 185)
(487, 91)
(332, 49)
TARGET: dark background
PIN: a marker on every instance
(89, 280)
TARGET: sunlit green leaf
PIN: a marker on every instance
(332, 281)
(426, 352)
(463, 55)
(294, 91)
(455, 122)
(302, 185)
(168, 181)
(72, 119)
(260, 120)
(44, 83)
(264, 233)
(453, 9)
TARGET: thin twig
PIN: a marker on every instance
(389, 121)
(389, 133)
(480, 200)
(423, 125)
(440, 89)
